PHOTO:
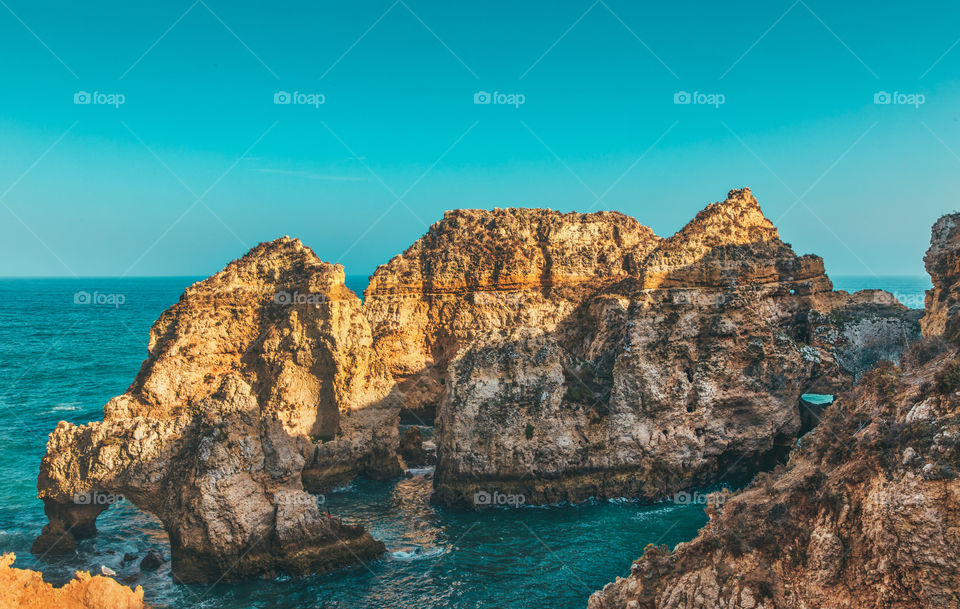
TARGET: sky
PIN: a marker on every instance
(147, 139)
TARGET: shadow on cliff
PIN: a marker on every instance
(636, 390)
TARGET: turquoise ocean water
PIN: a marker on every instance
(63, 356)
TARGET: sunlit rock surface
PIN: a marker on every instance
(25, 589)
(260, 385)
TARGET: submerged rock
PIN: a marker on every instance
(864, 514)
(151, 562)
(260, 386)
(25, 589)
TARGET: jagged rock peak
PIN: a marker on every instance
(274, 263)
(731, 242)
(260, 384)
(737, 220)
(864, 512)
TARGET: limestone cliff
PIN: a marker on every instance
(563, 355)
(259, 382)
(24, 589)
(943, 264)
(659, 364)
(865, 512)
(483, 274)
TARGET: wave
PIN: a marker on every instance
(416, 554)
(420, 471)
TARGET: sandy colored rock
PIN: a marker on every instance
(942, 262)
(564, 356)
(25, 589)
(674, 363)
(731, 243)
(480, 274)
(864, 514)
(260, 384)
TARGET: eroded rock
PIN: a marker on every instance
(411, 448)
(658, 365)
(260, 385)
(864, 514)
(482, 274)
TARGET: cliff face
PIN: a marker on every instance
(564, 356)
(259, 382)
(864, 514)
(23, 589)
(942, 262)
(680, 365)
(479, 274)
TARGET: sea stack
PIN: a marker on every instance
(260, 386)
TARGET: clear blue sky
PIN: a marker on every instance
(93, 189)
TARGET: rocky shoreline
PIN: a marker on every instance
(561, 357)
(25, 589)
(864, 514)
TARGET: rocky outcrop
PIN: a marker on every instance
(942, 262)
(675, 363)
(484, 274)
(731, 243)
(25, 589)
(563, 356)
(260, 386)
(865, 512)
(861, 331)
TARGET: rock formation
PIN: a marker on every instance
(482, 274)
(578, 355)
(25, 589)
(260, 385)
(563, 356)
(943, 264)
(865, 513)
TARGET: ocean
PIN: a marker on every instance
(69, 345)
